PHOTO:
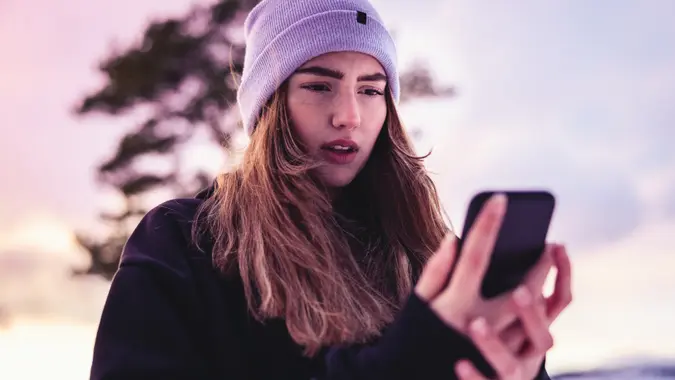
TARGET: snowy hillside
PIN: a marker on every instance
(645, 371)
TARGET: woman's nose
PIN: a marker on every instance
(346, 112)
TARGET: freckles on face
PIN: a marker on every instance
(337, 107)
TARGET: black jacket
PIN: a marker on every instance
(170, 315)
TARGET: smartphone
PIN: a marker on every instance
(521, 239)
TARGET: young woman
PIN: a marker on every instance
(322, 255)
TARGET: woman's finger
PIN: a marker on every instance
(437, 269)
(536, 277)
(505, 363)
(465, 370)
(500, 312)
(562, 292)
(514, 337)
(534, 321)
(477, 248)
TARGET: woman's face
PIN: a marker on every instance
(337, 106)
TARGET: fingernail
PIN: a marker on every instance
(522, 296)
(479, 326)
(499, 199)
(463, 369)
(499, 204)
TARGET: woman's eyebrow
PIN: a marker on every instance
(336, 74)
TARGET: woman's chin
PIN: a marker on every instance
(336, 177)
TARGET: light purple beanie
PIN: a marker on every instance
(281, 35)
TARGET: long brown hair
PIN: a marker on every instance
(335, 274)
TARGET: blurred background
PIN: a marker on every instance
(109, 107)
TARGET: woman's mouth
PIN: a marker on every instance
(340, 152)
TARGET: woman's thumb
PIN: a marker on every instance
(436, 271)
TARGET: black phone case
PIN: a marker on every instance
(521, 239)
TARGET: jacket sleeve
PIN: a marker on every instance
(146, 329)
(142, 334)
(418, 345)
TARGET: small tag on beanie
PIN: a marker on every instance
(361, 17)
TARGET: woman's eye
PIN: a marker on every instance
(373, 92)
(316, 87)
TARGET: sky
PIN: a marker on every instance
(573, 96)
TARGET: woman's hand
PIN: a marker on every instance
(535, 316)
(460, 301)
(514, 335)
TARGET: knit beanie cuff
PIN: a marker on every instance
(331, 31)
